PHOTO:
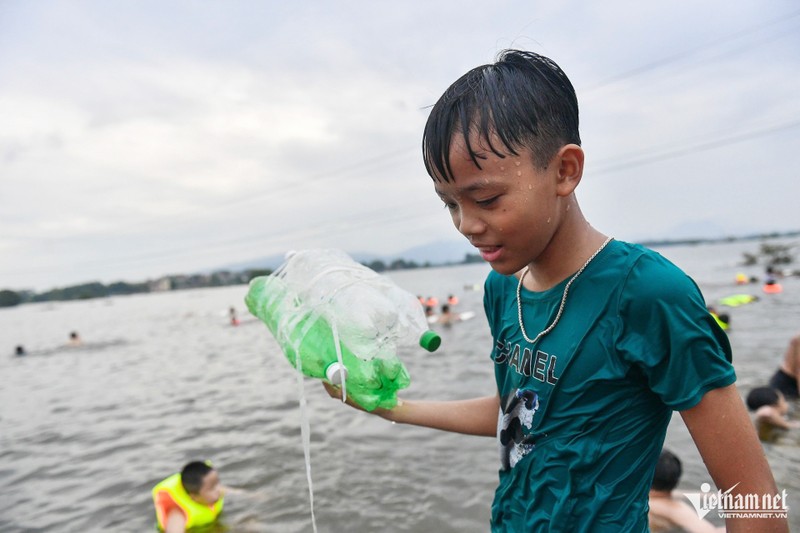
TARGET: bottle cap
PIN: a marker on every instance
(336, 373)
(430, 340)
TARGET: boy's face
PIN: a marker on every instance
(210, 491)
(508, 209)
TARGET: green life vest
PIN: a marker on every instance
(196, 513)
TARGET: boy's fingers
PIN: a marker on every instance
(333, 390)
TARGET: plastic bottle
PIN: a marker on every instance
(340, 321)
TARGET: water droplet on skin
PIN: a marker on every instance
(568, 206)
(548, 220)
(518, 163)
(519, 173)
(502, 168)
(530, 187)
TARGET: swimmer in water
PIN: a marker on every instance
(74, 339)
(194, 497)
(770, 407)
(667, 509)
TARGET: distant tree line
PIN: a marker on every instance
(776, 254)
(85, 291)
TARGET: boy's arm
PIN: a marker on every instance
(476, 416)
(774, 417)
(725, 437)
(175, 523)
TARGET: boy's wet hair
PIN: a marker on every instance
(761, 396)
(193, 474)
(668, 471)
(524, 99)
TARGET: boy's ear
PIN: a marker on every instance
(570, 168)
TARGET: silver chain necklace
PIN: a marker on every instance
(549, 328)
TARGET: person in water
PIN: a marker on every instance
(770, 407)
(233, 316)
(668, 510)
(723, 319)
(74, 339)
(595, 341)
(446, 317)
(787, 378)
(20, 350)
(194, 497)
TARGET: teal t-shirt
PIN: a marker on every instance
(584, 412)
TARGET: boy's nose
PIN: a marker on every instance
(470, 225)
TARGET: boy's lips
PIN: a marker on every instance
(489, 253)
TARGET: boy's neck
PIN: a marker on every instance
(661, 494)
(198, 499)
(565, 254)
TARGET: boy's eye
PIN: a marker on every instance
(450, 206)
(487, 202)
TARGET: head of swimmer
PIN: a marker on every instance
(201, 482)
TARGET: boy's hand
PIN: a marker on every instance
(335, 391)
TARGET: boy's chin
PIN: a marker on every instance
(505, 269)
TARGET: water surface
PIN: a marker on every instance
(162, 379)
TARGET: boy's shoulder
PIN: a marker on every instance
(667, 514)
(768, 413)
(649, 274)
(646, 259)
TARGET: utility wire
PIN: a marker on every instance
(674, 58)
(637, 161)
(380, 218)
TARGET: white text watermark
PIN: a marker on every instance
(729, 505)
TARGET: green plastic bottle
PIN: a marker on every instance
(308, 323)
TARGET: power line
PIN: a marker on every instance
(637, 161)
(674, 58)
(382, 218)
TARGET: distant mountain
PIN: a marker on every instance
(454, 251)
(436, 252)
(703, 229)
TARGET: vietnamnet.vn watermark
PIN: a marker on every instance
(729, 505)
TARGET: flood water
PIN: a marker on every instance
(161, 379)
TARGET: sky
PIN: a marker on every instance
(145, 138)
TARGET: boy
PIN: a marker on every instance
(668, 512)
(596, 341)
(770, 407)
(446, 318)
(192, 498)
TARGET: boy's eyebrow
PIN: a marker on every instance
(472, 187)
